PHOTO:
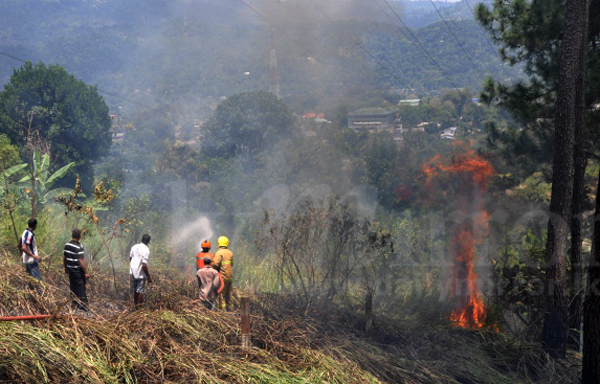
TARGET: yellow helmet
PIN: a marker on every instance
(223, 241)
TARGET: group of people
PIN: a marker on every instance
(214, 271)
(73, 263)
(215, 274)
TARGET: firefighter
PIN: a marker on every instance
(224, 264)
(200, 256)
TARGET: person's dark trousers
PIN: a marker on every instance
(77, 285)
(33, 270)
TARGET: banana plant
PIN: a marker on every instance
(43, 180)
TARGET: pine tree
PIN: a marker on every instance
(532, 33)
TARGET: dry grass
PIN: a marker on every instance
(175, 340)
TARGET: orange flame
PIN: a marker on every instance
(471, 311)
(475, 173)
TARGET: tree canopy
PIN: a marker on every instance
(9, 155)
(246, 124)
(530, 33)
(52, 109)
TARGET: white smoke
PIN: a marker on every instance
(199, 230)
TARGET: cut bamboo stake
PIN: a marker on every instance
(245, 321)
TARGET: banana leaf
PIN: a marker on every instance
(58, 174)
(14, 169)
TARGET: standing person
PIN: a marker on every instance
(30, 251)
(201, 255)
(138, 269)
(74, 263)
(211, 284)
(224, 264)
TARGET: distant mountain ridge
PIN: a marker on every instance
(195, 51)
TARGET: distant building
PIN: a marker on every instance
(118, 137)
(448, 133)
(314, 115)
(372, 120)
(410, 102)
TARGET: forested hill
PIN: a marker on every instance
(197, 51)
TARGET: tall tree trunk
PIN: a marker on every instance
(575, 309)
(591, 307)
(580, 164)
(572, 60)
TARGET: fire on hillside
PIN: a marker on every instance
(470, 174)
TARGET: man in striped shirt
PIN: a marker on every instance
(30, 251)
(74, 263)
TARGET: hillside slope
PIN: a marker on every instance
(175, 340)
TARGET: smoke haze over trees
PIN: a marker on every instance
(193, 52)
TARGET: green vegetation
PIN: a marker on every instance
(42, 179)
(49, 109)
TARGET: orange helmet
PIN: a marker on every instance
(205, 244)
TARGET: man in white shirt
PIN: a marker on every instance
(138, 269)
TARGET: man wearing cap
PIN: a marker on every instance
(211, 284)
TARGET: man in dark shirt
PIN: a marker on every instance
(74, 263)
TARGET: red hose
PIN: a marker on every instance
(31, 317)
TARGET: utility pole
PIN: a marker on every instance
(274, 87)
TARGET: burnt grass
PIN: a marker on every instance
(173, 339)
